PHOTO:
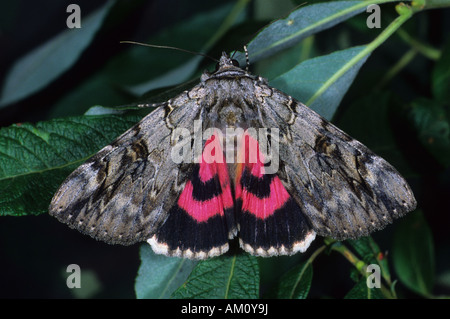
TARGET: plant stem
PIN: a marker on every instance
(403, 62)
(426, 50)
(360, 265)
(433, 4)
(308, 262)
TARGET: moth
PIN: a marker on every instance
(325, 182)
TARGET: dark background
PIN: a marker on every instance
(34, 250)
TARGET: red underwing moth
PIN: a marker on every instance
(232, 157)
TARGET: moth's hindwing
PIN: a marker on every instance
(202, 220)
(270, 221)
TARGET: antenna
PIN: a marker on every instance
(169, 47)
(247, 61)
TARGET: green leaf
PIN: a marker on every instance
(366, 248)
(184, 71)
(36, 158)
(432, 122)
(282, 62)
(224, 277)
(173, 77)
(321, 80)
(301, 23)
(162, 67)
(441, 76)
(362, 291)
(413, 253)
(159, 276)
(295, 284)
(326, 96)
(47, 62)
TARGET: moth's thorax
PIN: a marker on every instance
(233, 102)
(230, 115)
(226, 68)
(226, 73)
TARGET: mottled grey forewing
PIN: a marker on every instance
(122, 194)
(345, 190)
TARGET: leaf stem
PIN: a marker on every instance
(424, 49)
(229, 278)
(402, 63)
(306, 48)
(434, 4)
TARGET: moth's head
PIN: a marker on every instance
(227, 67)
(226, 62)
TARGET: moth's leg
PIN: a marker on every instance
(145, 105)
